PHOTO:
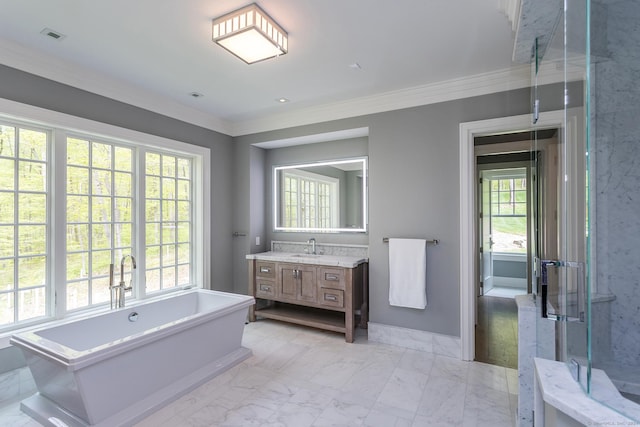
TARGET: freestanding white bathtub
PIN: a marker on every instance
(118, 367)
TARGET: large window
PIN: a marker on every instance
(99, 217)
(72, 203)
(508, 200)
(24, 242)
(168, 221)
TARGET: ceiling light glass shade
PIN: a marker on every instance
(250, 34)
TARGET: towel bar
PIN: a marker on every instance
(433, 241)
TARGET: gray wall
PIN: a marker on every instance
(413, 192)
(30, 89)
(515, 269)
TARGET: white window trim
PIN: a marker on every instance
(68, 124)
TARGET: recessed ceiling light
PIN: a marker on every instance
(55, 35)
(196, 95)
(282, 100)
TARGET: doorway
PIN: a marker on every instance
(510, 206)
(468, 189)
(504, 212)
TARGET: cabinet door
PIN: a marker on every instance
(297, 282)
(307, 284)
(288, 282)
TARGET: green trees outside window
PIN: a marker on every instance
(112, 199)
(99, 217)
(23, 223)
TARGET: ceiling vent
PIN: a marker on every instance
(53, 34)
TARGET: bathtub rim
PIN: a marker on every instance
(73, 359)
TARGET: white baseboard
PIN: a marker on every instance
(444, 345)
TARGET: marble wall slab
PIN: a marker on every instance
(527, 313)
(616, 146)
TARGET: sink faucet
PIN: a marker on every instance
(312, 242)
(121, 288)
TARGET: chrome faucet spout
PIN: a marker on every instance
(122, 288)
(312, 242)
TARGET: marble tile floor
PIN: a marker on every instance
(303, 377)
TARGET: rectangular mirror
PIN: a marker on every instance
(329, 196)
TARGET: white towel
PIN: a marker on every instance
(408, 273)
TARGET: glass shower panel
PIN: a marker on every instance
(561, 187)
(546, 196)
(576, 170)
(588, 198)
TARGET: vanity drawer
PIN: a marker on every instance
(266, 269)
(265, 288)
(331, 297)
(331, 278)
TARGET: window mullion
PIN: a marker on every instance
(58, 223)
(140, 223)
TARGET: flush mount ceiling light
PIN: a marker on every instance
(250, 34)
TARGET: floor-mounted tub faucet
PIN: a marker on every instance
(312, 242)
(120, 289)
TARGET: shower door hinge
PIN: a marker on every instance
(536, 111)
(574, 368)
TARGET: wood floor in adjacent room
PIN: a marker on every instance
(497, 331)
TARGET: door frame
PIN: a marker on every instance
(468, 232)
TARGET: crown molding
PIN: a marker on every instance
(47, 66)
(41, 64)
(480, 84)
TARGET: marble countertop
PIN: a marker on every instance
(559, 390)
(328, 260)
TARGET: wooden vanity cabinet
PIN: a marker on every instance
(296, 282)
(311, 295)
(265, 279)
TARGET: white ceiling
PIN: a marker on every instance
(153, 53)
